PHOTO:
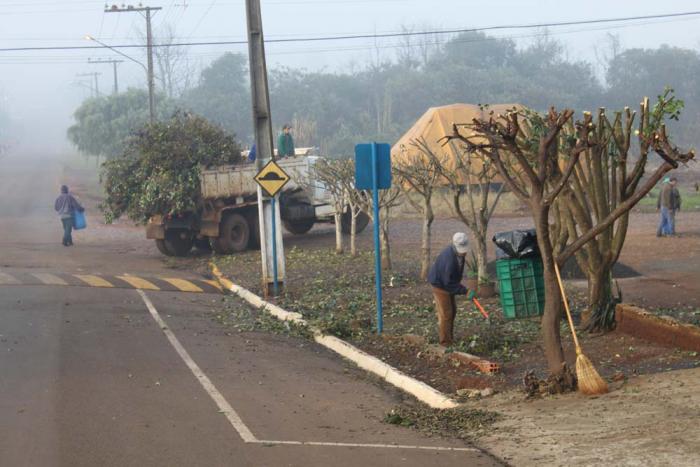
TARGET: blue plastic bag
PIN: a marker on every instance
(79, 221)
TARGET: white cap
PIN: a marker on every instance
(460, 242)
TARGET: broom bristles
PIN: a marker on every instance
(589, 381)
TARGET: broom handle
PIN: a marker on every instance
(566, 307)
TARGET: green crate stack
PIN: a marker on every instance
(521, 285)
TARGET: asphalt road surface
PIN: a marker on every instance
(94, 374)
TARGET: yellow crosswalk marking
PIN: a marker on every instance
(49, 279)
(138, 283)
(94, 281)
(214, 284)
(7, 279)
(183, 285)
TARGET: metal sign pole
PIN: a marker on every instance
(275, 285)
(377, 249)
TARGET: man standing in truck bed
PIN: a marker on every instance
(285, 143)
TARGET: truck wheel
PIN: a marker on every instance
(234, 235)
(299, 227)
(202, 244)
(160, 244)
(178, 241)
(254, 224)
(360, 223)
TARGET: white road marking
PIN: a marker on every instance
(206, 383)
(49, 279)
(235, 419)
(7, 279)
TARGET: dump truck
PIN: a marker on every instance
(226, 219)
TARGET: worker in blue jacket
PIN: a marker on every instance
(445, 276)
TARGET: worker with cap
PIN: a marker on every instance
(445, 277)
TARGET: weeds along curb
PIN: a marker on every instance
(418, 389)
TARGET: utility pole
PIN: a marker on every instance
(264, 146)
(149, 46)
(94, 74)
(114, 64)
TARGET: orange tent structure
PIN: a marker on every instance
(437, 123)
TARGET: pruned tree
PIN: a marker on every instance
(418, 174)
(353, 199)
(606, 176)
(544, 159)
(331, 174)
(388, 199)
(474, 196)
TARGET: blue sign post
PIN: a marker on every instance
(373, 172)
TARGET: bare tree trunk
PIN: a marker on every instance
(601, 301)
(481, 257)
(428, 218)
(384, 241)
(338, 231)
(552, 309)
(353, 232)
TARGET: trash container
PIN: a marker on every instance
(521, 285)
(520, 274)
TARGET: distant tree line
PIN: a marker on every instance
(382, 99)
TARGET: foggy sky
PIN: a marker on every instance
(40, 88)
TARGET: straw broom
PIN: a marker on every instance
(589, 381)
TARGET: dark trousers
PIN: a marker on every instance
(446, 311)
(67, 231)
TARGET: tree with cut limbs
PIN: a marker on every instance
(419, 174)
(472, 175)
(605, 177)
(329, 172)
(388, 199)
(543, 161)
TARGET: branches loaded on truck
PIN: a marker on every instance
(226, 218)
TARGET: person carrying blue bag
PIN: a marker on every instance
(67, 208)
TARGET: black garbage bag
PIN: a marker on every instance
(516, 244)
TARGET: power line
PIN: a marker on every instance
(375, 36)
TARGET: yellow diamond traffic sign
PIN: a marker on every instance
(272, 178)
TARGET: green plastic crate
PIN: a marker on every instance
(521, 285)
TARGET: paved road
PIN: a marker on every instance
(114, 376)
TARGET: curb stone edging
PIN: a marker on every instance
(418, 389)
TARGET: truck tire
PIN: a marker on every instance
(178, 241)
(234, 235)
(202, 244)
(160, 244)
(299, 227)
(360, 223)
(254, 224)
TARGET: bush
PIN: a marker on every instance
(159, 170)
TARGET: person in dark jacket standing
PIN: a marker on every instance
(668, 203)
(285, 143)
(65, 206)
(445, 277)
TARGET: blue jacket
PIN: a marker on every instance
(446, 273)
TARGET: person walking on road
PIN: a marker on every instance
(285, 143)
(668, 203)
(445, 277)
(65, 206)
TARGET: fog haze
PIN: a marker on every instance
(41, 89)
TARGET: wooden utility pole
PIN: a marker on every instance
(262, 124)
(94, 75)
(149, 46)
(114, 64)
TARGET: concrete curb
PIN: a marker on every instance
(418, 389)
